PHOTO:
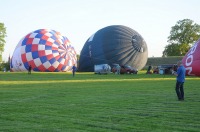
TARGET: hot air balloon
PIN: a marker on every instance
(45, 50)
(114, 44)
(191, 60)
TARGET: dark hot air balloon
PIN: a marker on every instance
(114, 44)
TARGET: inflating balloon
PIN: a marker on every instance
(191, 60)
(114, 44)
(45, 50)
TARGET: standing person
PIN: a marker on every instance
(180, 79)
(149, 69)
(73, 70)
(118, 69)
(29, 69)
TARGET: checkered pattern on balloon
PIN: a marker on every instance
(45, 50)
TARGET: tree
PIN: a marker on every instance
(182, 37)
(5, 65)
(2, 40)
(171, 50)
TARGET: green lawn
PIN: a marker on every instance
(58, 102)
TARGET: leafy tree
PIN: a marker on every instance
(171, 50)
(2, 41)
(182, 37)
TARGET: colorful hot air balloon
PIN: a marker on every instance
(191, 60)
(45, 50)
(114, 44)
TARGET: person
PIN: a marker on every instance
(149, 69)
(156, 70)
(118, 69)
(135, 71)
(4, 69)
(73, 70)
(180, 79)
(29, 69)
(175, 68)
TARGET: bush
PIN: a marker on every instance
(5, 65)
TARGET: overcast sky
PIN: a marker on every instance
(79, 19)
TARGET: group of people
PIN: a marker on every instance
(151, 70)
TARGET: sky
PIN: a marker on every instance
(79, 19)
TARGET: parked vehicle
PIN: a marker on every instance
(125, 69)
(129, 69)
(102, 69)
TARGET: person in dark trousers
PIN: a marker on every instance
(73, 70)
(29, 69)
(180, 79)
(149, 69)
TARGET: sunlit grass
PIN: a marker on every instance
(91, 102)
(92, 80)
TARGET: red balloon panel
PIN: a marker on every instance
(191, 60)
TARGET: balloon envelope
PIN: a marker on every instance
(191, 60)
(45, 50)
(114, 44)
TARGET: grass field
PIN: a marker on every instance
(57, 102)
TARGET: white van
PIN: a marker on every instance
(102, 69)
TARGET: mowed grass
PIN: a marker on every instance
(58, 102)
